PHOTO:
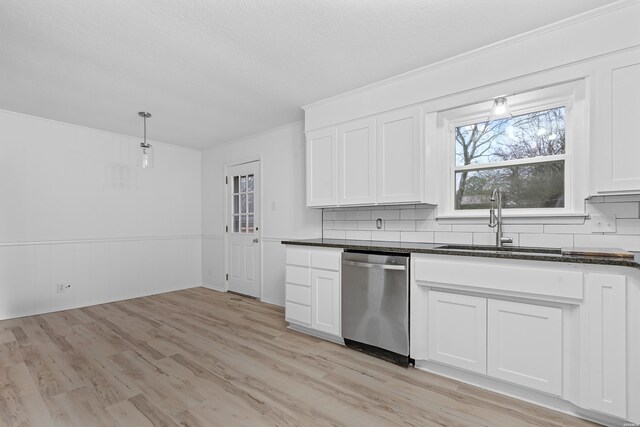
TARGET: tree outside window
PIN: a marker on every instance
(524, 155)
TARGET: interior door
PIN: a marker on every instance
(243, 248)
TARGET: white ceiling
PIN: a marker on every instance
(212, 71)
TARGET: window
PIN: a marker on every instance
(531, 156)
(243, 204)
(523, 155)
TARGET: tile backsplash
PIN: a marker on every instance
(418, 223)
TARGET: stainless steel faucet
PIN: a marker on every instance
(496, 221)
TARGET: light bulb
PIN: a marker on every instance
(500, 108)
(145, 157)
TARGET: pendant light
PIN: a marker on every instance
(500, 109)
(145, 153)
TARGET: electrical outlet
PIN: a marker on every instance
(603, 223)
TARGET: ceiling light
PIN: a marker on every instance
(145, 154)
(500, 109)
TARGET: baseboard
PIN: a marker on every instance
(313, 332)
(26, 313)
(214, 287)
(278, 303)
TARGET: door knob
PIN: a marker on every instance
(255, 240)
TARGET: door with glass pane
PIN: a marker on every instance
(243, 248)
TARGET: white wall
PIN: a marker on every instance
(281, 152)
(75, 209)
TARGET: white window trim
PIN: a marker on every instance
(573, 96)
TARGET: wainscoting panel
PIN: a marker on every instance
(93, 272)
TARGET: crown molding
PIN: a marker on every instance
(555, 26)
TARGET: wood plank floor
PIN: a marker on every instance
(204, 358)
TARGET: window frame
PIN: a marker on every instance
(570, 95)
(240, 214)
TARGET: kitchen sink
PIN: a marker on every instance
(507, 249)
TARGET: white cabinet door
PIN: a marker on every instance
(458, 330)
(357, 163)
(325, 301)
(322, 167)
(399, 155)
(607, 336)
(617, 147)
(525, 345)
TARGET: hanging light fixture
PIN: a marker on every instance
(500, 109)
(145, 154)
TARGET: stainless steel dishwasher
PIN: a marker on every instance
(375, 304)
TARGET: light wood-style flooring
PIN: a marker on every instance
(204, 358)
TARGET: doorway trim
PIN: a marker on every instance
(259, 223)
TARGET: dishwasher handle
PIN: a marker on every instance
(374, 265)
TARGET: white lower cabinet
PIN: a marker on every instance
(313, 289)
(298, 291)
(297, 313)
(512, 341)
(567, 330)
(524, 344)
(607, 334)
(458, 330)
(325, 301)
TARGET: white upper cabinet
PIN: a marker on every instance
(322, 168)
(399, 157)
(377, 160)
(617, 146)
(357, 162)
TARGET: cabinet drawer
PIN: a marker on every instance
(297, 313)
(298, 256)
(298, 275)
(482, 274)
(298, 294)
(326, 259)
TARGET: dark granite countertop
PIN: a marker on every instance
(512, 252)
